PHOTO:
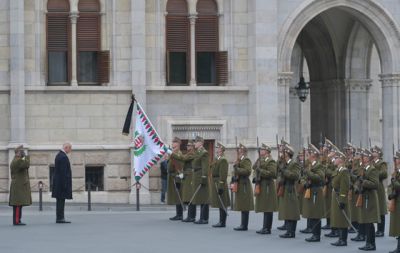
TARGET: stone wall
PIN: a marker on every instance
(4, 44)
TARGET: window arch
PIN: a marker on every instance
(58, 42)
(177, 43)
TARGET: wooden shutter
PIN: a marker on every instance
(207, 7)
(207, 34)
(177, 33)
(103, 66)
(58, 6)
(89, 6)
(57, 32)
(88, 32)
(177, 7)
(222, 67)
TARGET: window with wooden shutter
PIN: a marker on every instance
(206, 42)
(91, 60)
(58, 42)
(103, 66)
(222, 67)
(177, 43)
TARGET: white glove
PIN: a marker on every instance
(169, 151)
(180, 175)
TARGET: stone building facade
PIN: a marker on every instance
(347, 50)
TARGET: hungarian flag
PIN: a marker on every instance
(148, 146)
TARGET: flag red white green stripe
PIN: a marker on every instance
(148, 146)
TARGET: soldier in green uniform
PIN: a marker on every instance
(175, 175)
(187, 188)
(313, 205)
(281, 165)
(394, 198)
(303, 163)
(200, 181)
(288, 202)
(244, 201)
(329, 169)
(370, 205)
(339, 206)
(355, 175)
(350, 165)
(264, 173)
(383, 175)
(20, 189)
(219, 187)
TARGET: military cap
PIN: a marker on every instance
(397, 155)
(366, 152)
(313, 149)
(199, 139)
(18, 149)
(265, 147)
(177, 140)
(358, 151)
(376, 149)
(340, 155)
(220, 145)
(284, 143)
(289, 149)
(190, 143)
(349, 146)
(241, 146)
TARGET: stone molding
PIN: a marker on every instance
(390, 80)
(285, 78)
(358, 85)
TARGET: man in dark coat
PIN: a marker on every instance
(62, 181)
(20, 189)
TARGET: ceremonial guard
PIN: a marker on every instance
(330, 167)
(264, 174)
(187, 188)
(313, 200)
(351, 165)
(394, 202)
(244, 201)
(369, 203)
(301, 160)
(219, 187)
(288, 201)
(20, 189)
(355, 175)
(383, 175)
(175, 175)
(201, 185)
(339, 206)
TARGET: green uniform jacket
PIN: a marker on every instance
(314, 208)
(383, 174)
(370, 208)
(394, 229)
(219, 181)
(266, 201)
(174, 168)
(354, 174)
(289, 203)
(300, 184)
(244, 200)
(341, 186)
(329, 169)
(187, 187)
(20, 189)
(201, 168)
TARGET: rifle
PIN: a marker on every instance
(280, 186)
(234, 181)
(393, 194)
(257, 186)
(307, 194)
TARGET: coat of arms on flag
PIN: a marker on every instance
(148, 146)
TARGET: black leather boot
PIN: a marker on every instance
(245, 221)
(361, 233)
(290, 229)
(203, 215)
(264, 229)
(179, 213)
(222, 219)
(283, 227)
(308, 229)
(370, 238)
(191, 214)
(342, 241)
(316, 230)
(328, 224)
(381, 227)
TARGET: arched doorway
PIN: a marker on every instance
(338, 40)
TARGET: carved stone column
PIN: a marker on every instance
(284, 81)
(390, 113)
(357, 110)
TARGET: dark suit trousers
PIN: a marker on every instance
(60, 204)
